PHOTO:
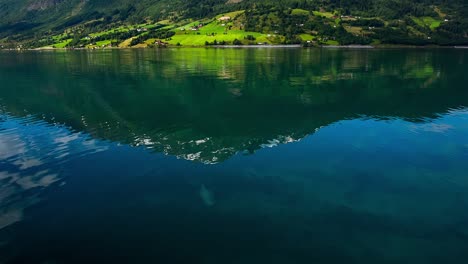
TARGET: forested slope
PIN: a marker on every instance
(76, 23)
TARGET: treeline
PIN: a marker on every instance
(290, 24)
(396, 26)
(138, 36)
(156, 34)
(367, 23)
(249, 40)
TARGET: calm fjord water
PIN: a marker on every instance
(234, 156)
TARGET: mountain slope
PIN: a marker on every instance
(419, 22)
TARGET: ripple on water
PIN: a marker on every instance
(32, 153)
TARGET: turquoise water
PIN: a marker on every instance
(234, 156)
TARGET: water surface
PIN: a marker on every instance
(234, 156)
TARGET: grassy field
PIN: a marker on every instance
(354, 30)
(104, 43)
(231, 14)
(299, 12)
(430, 22)
(306, 37)
(332, 42)
(62, 44)
(213, 30)
(192, 39)
(125, 43)
(323, 14)
(203, 31)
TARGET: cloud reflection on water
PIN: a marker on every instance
(31, 156)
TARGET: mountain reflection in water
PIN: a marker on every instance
(207, 104)
(330, 150)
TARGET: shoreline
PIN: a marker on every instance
(251, 47)
(348, 47)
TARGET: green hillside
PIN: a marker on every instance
(148, 23)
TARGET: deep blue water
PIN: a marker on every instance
(234, 156)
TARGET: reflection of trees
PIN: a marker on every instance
(207, 104)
